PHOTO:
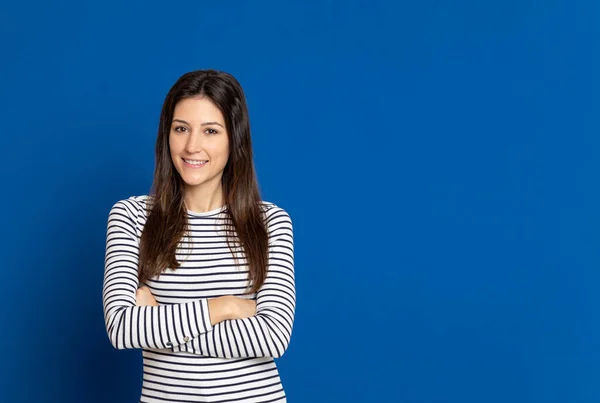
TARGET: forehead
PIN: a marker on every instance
(197, 110)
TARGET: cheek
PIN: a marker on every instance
(224, 149)
(173, 146)
(220, 151)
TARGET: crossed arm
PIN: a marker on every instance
(218, 327)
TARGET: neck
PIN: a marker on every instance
(202, 199)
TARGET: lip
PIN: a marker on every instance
(194, 166)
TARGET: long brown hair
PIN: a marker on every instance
(167, 215)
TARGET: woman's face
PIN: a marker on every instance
(198, 134)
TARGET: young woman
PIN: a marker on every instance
(199, 273)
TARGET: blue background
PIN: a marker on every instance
(439, 161)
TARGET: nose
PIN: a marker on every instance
(193, 144)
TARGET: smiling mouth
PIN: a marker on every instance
(195, 162)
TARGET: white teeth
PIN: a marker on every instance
(193, 162)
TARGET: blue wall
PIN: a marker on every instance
(439, 161)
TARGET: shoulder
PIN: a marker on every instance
(277, 218)
(272, 210)
(133, 207)
(133, 204)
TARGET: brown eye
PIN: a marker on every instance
(179, 127)
(211, 131)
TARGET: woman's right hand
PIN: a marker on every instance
(143, 297)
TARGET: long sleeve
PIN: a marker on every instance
(131, 326)
(268, 333)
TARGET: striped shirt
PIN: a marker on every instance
(185, 358)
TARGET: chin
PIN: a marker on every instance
(192, 181)
(193, 184)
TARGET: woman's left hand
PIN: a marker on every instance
(143, 297)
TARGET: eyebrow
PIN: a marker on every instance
(203, 124)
